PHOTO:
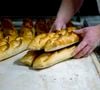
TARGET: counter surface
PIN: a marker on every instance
(80, 74)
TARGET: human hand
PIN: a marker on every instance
(91, 39)
(58, 25)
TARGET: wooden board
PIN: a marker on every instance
(80, 74)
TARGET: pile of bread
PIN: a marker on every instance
(44, 49)
(13, 41)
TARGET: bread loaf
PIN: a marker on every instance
(57, 47)
(51, 58)
(39, 41)
(7, 32)
(28, 58)
(18, 44)
(65, 39)
(54, 41)
(46, 59)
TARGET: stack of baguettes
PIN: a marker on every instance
(44, 49)
(13, 41)
(48, 49)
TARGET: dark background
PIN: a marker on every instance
(41, 8)
(89, 7)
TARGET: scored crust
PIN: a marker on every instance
(51, 58)
(28, 58)
(7, 32)
(47, 59)
(65, 40)
(18, 44)
(54, 41)
(39, 41)
(14, 41)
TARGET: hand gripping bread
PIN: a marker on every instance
(19, 44)
(61, 43)
(58, 46)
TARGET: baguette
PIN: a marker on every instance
(54, 41)
(14, 47)
(41, 60)
(19, 44)
(27, 30)
(67, 39)
(7, 32)
(28, 58)
(39, 41)
(8, 29)
(51, 58)
(57, 42)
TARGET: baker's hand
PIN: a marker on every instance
(91, 39)
(58, 25)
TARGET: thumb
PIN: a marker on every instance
(55, 27)
(59, 26)
(80, 31)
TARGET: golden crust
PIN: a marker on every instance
(7, 32)
(15, 42)
(8, 29)
(39, 41)
(51, 58)
(13, 48)
(28, 58)
(54, 41)
(47, 59)
(61, 42)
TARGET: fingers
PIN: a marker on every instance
(83, 49)
(89, 52)
(63, 27)
(84, 52)
(81, 46)
(57, 27)
(80, 31)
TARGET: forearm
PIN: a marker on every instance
(67, 9)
